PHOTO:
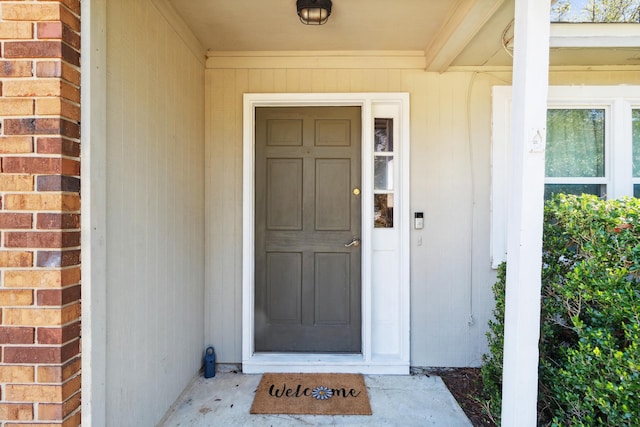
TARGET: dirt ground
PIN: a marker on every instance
(466, 385)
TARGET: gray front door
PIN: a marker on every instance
(307, 183)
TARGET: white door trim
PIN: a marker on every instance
(385, 327)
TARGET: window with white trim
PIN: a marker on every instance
(593, 147)
(635, 126)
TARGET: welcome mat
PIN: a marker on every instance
(314, 394)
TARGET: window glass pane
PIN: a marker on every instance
(383, 173)
(575, 143)
(635, 124)
(577, 189)
(383, 210)
(636, 190)
(383, 135)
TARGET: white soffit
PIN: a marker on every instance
(595, 35)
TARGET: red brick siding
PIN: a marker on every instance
(40, 212)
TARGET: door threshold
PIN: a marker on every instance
(261, 363)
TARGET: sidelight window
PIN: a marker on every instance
(383, 185)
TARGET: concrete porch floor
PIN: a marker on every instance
(412, 400)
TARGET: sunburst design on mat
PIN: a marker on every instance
(322, 393)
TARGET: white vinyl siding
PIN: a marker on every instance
(155, 214)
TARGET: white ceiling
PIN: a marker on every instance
(267, 25)
(450, 32)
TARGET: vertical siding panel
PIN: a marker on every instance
(226, 209)
(448, 176)
(154, 288)
(212, 227)
(421, 200)
(154, 249)
(306, 77)
(368, 81)
(214, 325)
(361, 79)
(254, 81)
(223, 197)
(480, 107)
(135, 147)
(343, 81)
(395, 80)
(381, 80)
(356, 80)
(441, 122)
(116, 221)
(280, 80)
(230, 199)
(118, 289)
(267, 82)
(163, 218)
(215, 261)
(141, 245)
(331, 79)
(319, 82)
(450, 213)
(293, 81)
(464, 207)
(241, 84)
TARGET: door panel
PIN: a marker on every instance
(333, 193)
(284, 189)
(332, 289)
(283, 287)
(284, 132)
(333, 133)
(307, 283)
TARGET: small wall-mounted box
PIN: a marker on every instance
(418, 220)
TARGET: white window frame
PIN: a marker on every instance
(635, 105)
(617, 101)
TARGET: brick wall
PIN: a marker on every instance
(40, 212)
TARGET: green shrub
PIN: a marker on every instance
(590, 318)
(492, 362)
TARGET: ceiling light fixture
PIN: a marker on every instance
(313, 12)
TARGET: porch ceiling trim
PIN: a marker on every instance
(552, 68)
(596, 35)
(410, 59)
(467, 19)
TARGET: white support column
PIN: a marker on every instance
(525, 218)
